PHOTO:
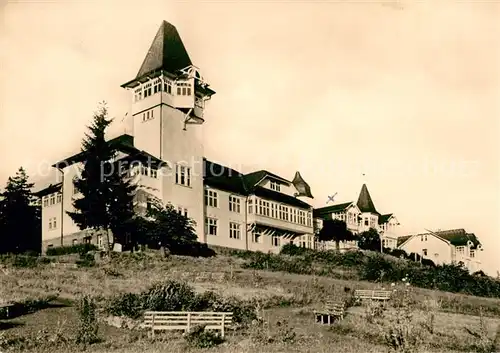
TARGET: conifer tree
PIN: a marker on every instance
(106, 197)
(20, 217)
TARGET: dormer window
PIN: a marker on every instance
(275, 186)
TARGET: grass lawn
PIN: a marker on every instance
(290, 299)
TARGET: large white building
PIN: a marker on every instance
(360, 216)
(255, 211)
(445, 247)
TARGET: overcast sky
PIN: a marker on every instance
(406, 94)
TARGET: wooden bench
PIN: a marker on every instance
(333, 310)
(184, 320)
(372, 294)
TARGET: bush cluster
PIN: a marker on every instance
(177, 296)
(375, 267)
(73, 249)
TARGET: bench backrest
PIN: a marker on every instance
(372, 293)
(335, 307)
(172, 320)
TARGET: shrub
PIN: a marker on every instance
(73, 249)
(200, 338)
(176, 296)
(25, 261)
(86, 260)
(293, 250)
(171, 296)
(87, 325)
(127, 304)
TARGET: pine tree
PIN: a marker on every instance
(106, 201)
(20, 218)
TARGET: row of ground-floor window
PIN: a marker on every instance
(257, 240)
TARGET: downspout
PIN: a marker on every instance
(62, 204)
(246, 222)
(161, 115)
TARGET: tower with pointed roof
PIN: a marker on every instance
(369, 214)
(168, 103)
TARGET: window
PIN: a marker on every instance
(234, 230)
(138, 94)
(52, 199)
(144, 170)
(167, 86)
(309, 219)
(45, 201)
(211, 226)
(183, 175)
(210, 198)
(275, 186)
(285, 213)
(183, 89)
(147, 115)
(50, 245)
(234, 204)
(147, 90)
(88, 240)
(52, 223)
(425, 237)
(59, 197)
(75, 241)
(250, 206)
(153, 173)
(256, 237)
(100, 243)
(183, 211)
(460, 249)
(472, 253)
(424, 251)
(157, 85)
(273, 210)
(366, 221)
(276, 240)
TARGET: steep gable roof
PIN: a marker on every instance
(365, 203)
(328, 210)
(402, 239)
(252, 179)
(458, 237)
(384, 218)
(167, 52)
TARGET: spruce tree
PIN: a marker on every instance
(106, 200)
(20, 217)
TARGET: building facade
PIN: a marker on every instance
(445, 247)
(359, 217)
(165, 157)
